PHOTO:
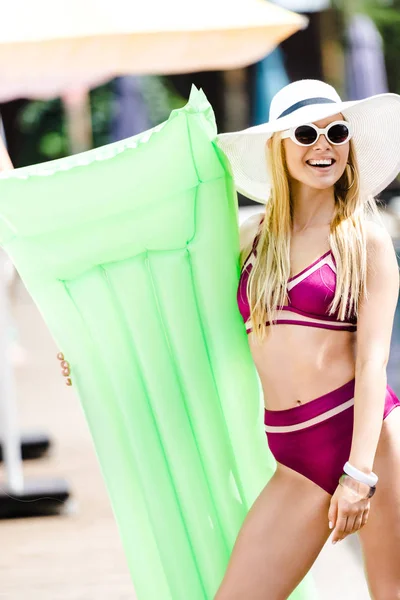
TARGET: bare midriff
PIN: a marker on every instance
(297, 364)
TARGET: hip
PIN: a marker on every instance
(315, 439)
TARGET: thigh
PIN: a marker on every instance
(279, 541)
(380, 537)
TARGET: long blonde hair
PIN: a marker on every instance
(267, 284)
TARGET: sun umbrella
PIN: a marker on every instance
(47, 47)
(52, 49)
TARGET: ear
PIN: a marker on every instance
(269, 143)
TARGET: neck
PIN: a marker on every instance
(311, 208)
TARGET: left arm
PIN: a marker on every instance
(374, 330)
(348, 512)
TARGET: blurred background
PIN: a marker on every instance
(355, 46)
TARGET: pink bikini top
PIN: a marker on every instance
(310, 293)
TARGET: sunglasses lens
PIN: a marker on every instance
(305, 135)
(338, 134)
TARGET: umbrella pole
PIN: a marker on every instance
(19, 497)
(31, 445)
(77, 110)
(34, 444)
(11, 447)
(10, 438)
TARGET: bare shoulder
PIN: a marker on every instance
(379, 242)
(381, 255)
(247, 232)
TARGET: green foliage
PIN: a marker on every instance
(42, 132)
(388, 22)
(160, 98)
(368, 7)
(43, 129)
(386, 16)
(52, 144)
(101, 100)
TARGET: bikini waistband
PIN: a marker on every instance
(324, 407)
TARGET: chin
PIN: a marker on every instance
(321, 185)
(315, 182)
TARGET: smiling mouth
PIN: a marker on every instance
(321, 164)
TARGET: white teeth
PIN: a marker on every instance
(327, 161)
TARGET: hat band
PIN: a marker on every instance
(307, 102)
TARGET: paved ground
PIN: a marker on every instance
(78, 556)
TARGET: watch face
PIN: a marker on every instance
(371, 492)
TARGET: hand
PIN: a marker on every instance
(349, 509)
(66, 371)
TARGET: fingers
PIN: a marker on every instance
(365, 516)
(339, 531)
(350, 524)
(350, 520)
(332, 514)
(351, 511)
(65, 368)
(358, 522)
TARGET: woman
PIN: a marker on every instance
(325, 358)
(331, 270)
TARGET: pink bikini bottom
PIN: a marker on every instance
(315, 439)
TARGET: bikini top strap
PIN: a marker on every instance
(257, 237)
(253, 247)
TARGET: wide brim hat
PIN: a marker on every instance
(375, 123)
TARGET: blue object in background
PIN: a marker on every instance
(270, 77)
(304, 5)
(130, 114)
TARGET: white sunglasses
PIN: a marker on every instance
(337, 133)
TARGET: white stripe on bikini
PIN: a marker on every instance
(289, 315)
(325, 261)
(298, 426)
(328, 260)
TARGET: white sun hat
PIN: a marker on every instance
(374, 121)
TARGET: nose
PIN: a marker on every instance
(322, 143)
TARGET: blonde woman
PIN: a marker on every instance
(318, 291)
